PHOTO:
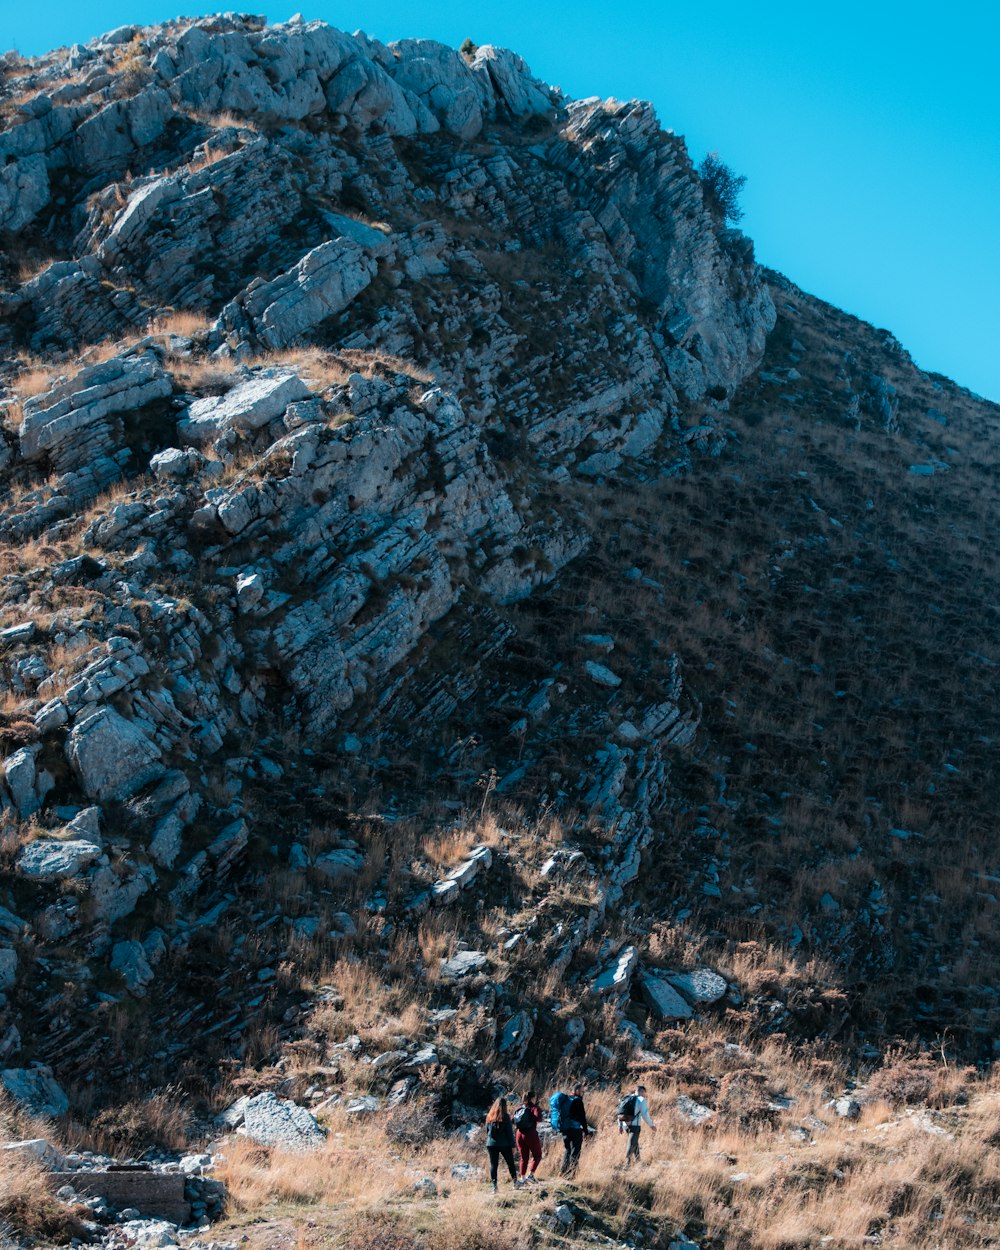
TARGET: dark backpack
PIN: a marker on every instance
(558, 1110)
(524, 1119)
(626, 1108)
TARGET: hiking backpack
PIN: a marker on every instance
(626, 1108)
(558, 1109)
(524, 1120)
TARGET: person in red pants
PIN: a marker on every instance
(529, 1146)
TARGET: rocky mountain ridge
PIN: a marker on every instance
(414, 500)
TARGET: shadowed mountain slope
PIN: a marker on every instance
(401, 459)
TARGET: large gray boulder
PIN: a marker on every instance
(248, 406)
(516, 1036)
(512, 80)
(12, 925)
(323, 283)
(274, 1121)
(694, 1112)
(22, 782)
(121, 384)
(463, 964)
(36, 1148)
(365, 93)
(441, 79)
(295, 46)
(700, 986)
(617, 977)
(460, 878)
(36, 1090)
(111, 756)
(112, 134)
(664, 1001)
(50, 860)
(129, 960)
(340, 863)
(24, 192)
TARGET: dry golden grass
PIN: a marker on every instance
(225, 120)
(161, 1118)
(347, 1170)
(321, 369)
(205, 157)
(33, 381)
(764, 1189)
(181, 322)
(371, 363)
(447, 847)
(130, 63)
(760, 1189)
(468, 1218)
(204, 375)
(31, 268)
(444, 848)
(366, 1004)
(368, 1183)
(28, 1205)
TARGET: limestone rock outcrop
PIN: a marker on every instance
(340, 386)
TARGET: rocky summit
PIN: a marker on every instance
(461, 619)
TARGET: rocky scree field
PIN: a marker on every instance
(463, 622)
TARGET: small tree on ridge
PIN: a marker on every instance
(721, 188)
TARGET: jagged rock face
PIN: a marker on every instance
(253, 200)
(305, 523)
(354, 361)
(601, 184)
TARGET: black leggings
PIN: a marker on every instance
(508, 1157)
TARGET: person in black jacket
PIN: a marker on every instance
(500, 1141)
(574, 1130)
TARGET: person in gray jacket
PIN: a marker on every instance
(632, 1110)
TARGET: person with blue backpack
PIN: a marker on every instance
(569, 1118)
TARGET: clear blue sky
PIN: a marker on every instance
(869, 132)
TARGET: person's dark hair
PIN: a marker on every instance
(640, 1089)
(530, 1098)
(577, 1087)
(498, 1112)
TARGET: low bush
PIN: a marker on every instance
(744, 1101)
(414, 1124)
(160, 1119)
(368, 1231)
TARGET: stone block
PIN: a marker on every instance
(151, 1193)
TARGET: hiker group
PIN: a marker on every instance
(506, 1132)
